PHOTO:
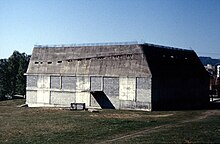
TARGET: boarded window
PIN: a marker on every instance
(70, 60)
(111, 86)
(69, 83)
(143, 83)
(96, 83)
(55, 82)
(144, 89)
(32, 81)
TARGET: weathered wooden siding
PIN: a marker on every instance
(98, 61)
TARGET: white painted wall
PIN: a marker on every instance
(127, 88)
(43, 95)
(62, 98)
(31, 97)
(43, 82)
(83, 84)
(83, 97)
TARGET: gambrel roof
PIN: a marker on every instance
(113, 60)
(133, 60)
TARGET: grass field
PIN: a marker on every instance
(43, 125)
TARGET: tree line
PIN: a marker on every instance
(12, 79)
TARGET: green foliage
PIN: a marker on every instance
(3, 78)
(12, 79)
(20, 78)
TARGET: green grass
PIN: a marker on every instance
(43, 125)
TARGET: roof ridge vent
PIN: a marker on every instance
(89, 44)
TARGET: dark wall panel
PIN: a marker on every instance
(32, 81)
(111, 86)
(96, 83)
(69, 83)
(55, 82)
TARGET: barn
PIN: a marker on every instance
(116, 75)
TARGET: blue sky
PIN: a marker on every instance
(190, 24)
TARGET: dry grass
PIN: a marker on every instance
(43, 125)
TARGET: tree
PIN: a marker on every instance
(12, 79)
(3, 78)
(20, 78)
(13, 65)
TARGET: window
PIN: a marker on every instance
(59, 61)
(55, 82)
(101, 57)
(68, 82)
(32, 81)
(49, 62)
(129, 55)
(36, 62)
(88, 58)
(117, 56)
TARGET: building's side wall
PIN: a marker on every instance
(122, 92)
(172, 93)
(179, 80)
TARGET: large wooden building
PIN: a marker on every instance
(120, 76)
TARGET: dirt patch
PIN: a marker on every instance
(129, 116)
(204, 115)
(209, 113)
(159, 116)
(119, 116)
